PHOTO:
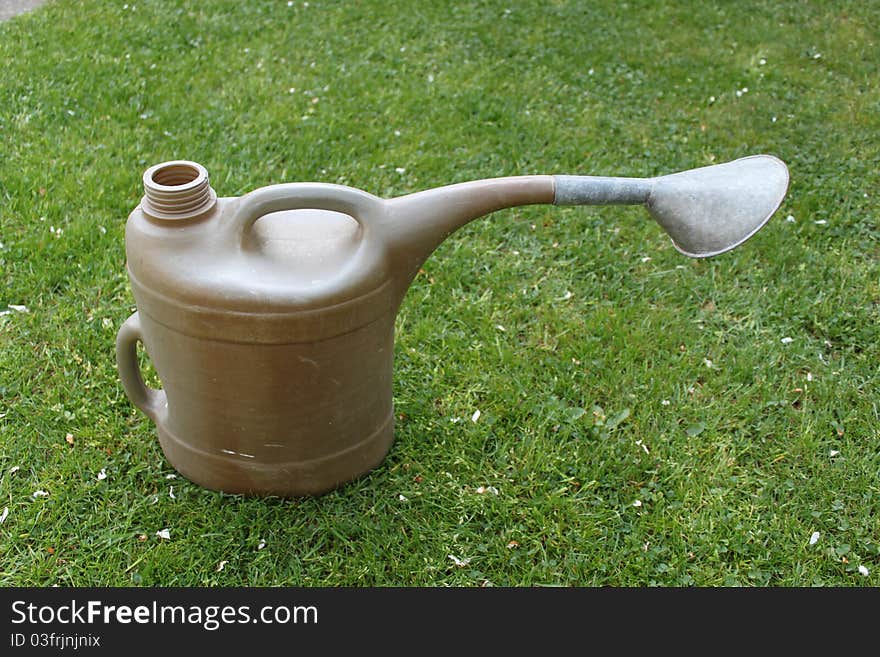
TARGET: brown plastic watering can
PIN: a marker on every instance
(270, 317)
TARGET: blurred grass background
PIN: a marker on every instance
(641, 417)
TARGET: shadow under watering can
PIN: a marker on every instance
(270, 317)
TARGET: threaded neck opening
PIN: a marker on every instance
(177, 190)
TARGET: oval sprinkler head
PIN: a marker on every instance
(711, 210)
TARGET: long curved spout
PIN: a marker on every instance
(706, 211)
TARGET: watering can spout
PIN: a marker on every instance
(706, 211)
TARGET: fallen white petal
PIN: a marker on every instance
(476, 416)
(164, 533)
(14, 469)
(814, 538)
(171, 493)
(787, 340)
(40, 493)
(461, 563)
(11, 307)
(221, 565)
(171, 476)
(487, 489)
(400, 170)
(790, 219)
(261, 545)
(707, 362)
(402, 498)
(820, 222)
(637, 503)
(4, 515)
(665, 402)
(102, 474)
(834, 452)
(864, 571)
(809, 376)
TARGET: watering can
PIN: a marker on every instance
(269, 317)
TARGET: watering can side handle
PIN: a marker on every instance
(147, 399)
(358, 204)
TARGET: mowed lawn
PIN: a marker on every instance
(577, 403)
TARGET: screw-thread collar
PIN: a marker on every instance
(178, 189)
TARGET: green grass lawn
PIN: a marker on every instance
(644, 418)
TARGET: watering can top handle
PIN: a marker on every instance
(358, 204)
